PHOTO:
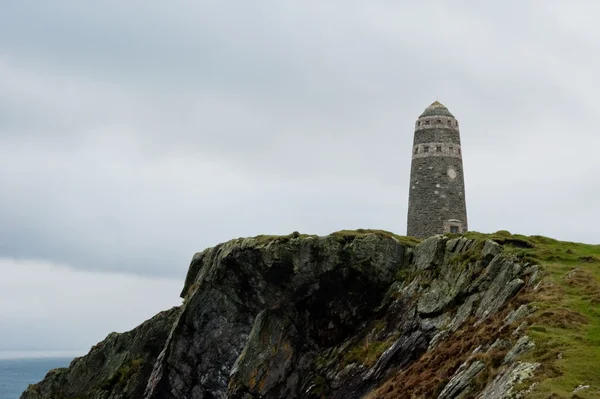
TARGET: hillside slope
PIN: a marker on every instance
(361, 314)
(566, 325)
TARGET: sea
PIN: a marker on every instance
(18, 369)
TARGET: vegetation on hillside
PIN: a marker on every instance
(566, 328)
(342, 235)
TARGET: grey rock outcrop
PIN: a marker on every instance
(324, 287)
(116, 368)
(503, 386)
(303, 317)
(524, 344)
(519, 314)
(461, 380)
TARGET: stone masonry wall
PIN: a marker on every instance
(437, 188)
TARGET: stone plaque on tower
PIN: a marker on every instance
(436, 200)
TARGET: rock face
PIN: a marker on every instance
(313, 317)
(116, 368)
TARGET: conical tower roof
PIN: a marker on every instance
(436, 109)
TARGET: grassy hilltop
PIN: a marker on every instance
(566, 328)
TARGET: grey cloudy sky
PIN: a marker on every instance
(133, 134)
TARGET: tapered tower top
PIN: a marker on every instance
(436, 109)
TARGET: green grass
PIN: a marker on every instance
(566, 329)
(545, 251)
(265, 239)
(122, 375)
(366, 352)
(409, 241)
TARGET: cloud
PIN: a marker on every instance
(44, 305)
(135, 134)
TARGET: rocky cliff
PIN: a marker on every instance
(350, 315)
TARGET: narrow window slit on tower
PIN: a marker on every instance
(419, 123)
(416, 150)
(438, 148)
(427, 122)
(439, 121)
(426, 148)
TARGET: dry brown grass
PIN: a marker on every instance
(427, 376)
(547, 292)
(561, 318)
(584, 280)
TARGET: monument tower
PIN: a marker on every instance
(436, 200)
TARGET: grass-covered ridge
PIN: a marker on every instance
(566, 328)
(265, 239)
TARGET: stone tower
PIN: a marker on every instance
(436, 201)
